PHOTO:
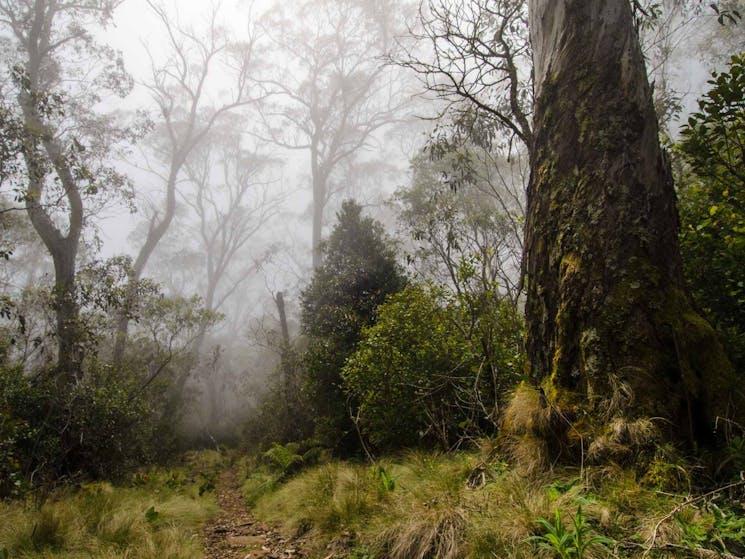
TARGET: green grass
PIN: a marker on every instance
(436, 511)
(158, 516)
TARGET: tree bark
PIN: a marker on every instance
(158, 227)
(319, 177)
(318, 207)
(612, 335)
(40, 147)
(69, 333)
(62, 248)
(287, 359)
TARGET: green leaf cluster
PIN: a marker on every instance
(358, 272)
(99, 428)
(712, 204)
(569, 542)
(417, 375)
(720, 527)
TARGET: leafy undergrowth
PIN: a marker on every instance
(158, 514)
(473, 506)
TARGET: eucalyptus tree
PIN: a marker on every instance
(475, 57)
(189, 105)
(613, 338)
(335, 91)
(232, 198)
(53, 88)
(478, 224)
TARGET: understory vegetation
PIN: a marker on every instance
(474, 505)
(155, 513)
(528, 341)
(439, 365)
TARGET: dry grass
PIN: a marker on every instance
(622, 439)
(435, 513)
(437, 532)
(432, 513)
(529, 454)
(109, 522)
(526, 413)
(332, 498)
(529, 423)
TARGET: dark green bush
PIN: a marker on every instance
(712, 205)
(420, 378)
(12, 431)
(277, 420)
(359, 270)
(100, 427)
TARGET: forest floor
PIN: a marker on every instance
(473, 505)
(236, 534)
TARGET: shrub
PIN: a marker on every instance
(358, 271)
(13, 430)
(406, 371)
(419, 377)
(712, 205)
(98, 428)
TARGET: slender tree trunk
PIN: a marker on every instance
(63, 251)
(69, 333)
(158, 228)
(195, 353)
(286, 358)
(319, 203)
(317, 231)
(284, 329)
(215, 393)
(612, 335)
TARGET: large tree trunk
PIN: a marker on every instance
(41, 147)
(612, 336)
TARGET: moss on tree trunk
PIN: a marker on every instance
(612, 335)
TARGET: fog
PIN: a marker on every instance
(245, 127)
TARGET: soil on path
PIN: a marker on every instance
(236, 534)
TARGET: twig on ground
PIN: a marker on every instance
(683, 505)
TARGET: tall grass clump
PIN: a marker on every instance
(413, 507)
(331, 498)
(159, 516)
(473, 505)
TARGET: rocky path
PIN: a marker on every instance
(236, 534)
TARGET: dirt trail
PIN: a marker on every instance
(236, 534)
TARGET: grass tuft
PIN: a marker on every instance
(111, 522)
(526, 413)
(436, 511)
(438, 532)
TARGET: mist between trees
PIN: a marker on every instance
(363, 224)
